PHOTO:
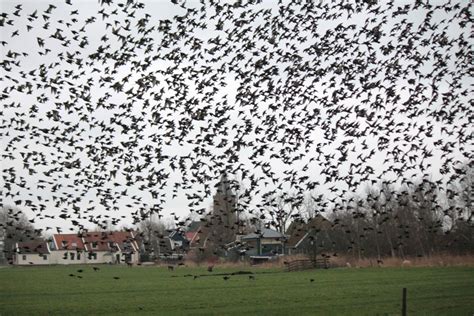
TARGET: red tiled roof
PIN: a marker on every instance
(190, 235)
(122, 238)
(68, 242)
(108, 241)
(97, 241)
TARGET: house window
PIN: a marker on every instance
(45, 257)
(94, 245)
(72, 255)
(92, 256)
(24, 257)
(78, 256)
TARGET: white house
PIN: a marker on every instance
(82, 248)
(112, 247)
(32, 253)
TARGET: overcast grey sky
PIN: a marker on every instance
(308, 161)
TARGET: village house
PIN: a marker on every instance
(173, 246)
(197, 234)
(178, 241)
(32, 253)
(67, 249)
(264, 243)
(83, 248)
(112, 247)
(192, 237)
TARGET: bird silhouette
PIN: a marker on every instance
(381, 96)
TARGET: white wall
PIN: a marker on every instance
(102, 257)
(34, 258)
(64, 257)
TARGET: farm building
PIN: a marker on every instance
(305, 238)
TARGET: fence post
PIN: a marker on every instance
(404, 302)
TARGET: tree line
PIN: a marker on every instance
(421, 219)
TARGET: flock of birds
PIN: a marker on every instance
(108, 114)
(226, 277)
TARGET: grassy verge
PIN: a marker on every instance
(156, 291)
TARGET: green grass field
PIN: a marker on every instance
(157, 291)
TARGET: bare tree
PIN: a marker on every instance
(282, 208)
(152, 230)
(14, 227)
(312, 205)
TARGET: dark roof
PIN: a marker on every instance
(38, 247)
(194, 226)
(296, 238)
(296, 225)
(319, 222)
(177, 235)
(166, 249)
(264, 233)
(301, 230)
